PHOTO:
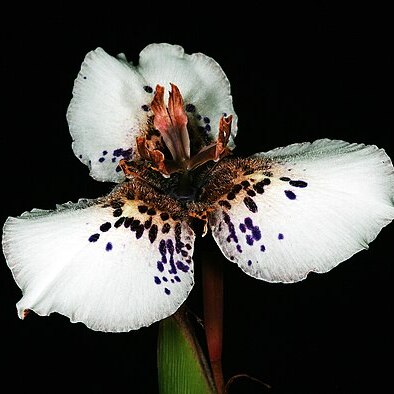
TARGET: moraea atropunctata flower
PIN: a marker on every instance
(164, 131)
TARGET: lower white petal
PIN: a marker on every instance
(302, 208)
(91, 262)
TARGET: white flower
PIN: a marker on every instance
(164, 130)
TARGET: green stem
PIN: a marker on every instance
(213, 313)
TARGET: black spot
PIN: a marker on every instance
(108, 247)
(151, 211)
(167, 291)
(101, 159)
(117, 212)
(206, 119)
(166, 228)
(142, 208)
(128, 222)
(190, 108)
(207, 127)
(105, 152)
(145, 107)
(266, 181)
(298, 183)
(148, 223)
(119, 222)
(250, 204)
(139, 231)
(230, 196)
(130, 195)
(284, 179)
(245, 184)
(148, 89)
(94, 237)
(259, 187)
(248, 172)
(236, 188)
(118, 169)
(225, 204)
(251, 193)
(105, 226)
(116, 204)
(188, 246)
(164, 216)
(152, 233)
(134, 225)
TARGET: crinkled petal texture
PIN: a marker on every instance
(305, 207)
(111, 102)
(114, 266)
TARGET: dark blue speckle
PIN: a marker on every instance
(148, 89)
(183, 267)
(256, 233)
(101, 159)
(108, 247)
(165, 279)
(167, 291)
(206, 119)
(177, 278)
(94, 237)
(280, 236)
(249, 240)
(104, 152)
(249, 223)
(262, 248)
(249, 263)
(298, 183)
(160, 266)
(113, 159)
(242, 227)
(239, 248)
(290, 194)
(157, 280)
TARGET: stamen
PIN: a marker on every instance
(171, 123)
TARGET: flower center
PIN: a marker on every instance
(172, 123)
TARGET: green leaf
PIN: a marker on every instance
(182, 366)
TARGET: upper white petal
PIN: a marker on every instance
(111, 102)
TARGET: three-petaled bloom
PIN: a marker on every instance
(164, 130)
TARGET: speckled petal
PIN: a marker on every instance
(115, 264)
(111, 102)
(302, 208)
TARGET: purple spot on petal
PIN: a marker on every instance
(262, 248)
(239, 248)
(280, 236)
(256, 233)
(101, 159)
(160, 266)
(94, 237)
(167, 291)
(157, 280)
(108, 247)
(290, 194)
(242, 227)
(249, 240)
(249, 223)
(249, 263)
(182, 267)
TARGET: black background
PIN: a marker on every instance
(297, 74)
